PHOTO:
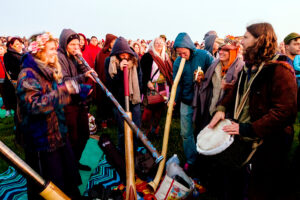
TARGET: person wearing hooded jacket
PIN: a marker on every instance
(218, 81)
(104, 106)
(219, 78)
(120, 56)
(211, 45)
(76, 112)
(194, 58)
(86, 53)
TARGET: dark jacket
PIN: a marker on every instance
(70, 67)
(146, 64)
(197, 58)
(12, 62)
(272, 101)
(116, 84)
(102, 55)
(272, 109)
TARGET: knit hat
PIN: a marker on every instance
(72, 37)
(290, 37)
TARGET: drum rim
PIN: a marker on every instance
(215, 150)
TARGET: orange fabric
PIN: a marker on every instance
(232, 56)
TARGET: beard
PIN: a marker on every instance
(249, 55)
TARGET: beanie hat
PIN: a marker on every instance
(72, 37)
(290, 37)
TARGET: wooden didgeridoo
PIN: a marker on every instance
(153, 184)
(50, 191)
(129, 154)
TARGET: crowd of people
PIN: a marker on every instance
(252, 80)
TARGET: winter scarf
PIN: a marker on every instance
(134, 90)
(165, 67)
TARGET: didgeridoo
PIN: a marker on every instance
(129, 152)
(50, 191)
(153, 184)
(132, 125)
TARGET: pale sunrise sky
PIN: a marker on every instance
(146, 19)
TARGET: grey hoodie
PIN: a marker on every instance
(209, 43)
(69, 66)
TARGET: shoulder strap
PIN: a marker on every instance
(154, 74)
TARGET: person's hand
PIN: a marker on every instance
(220, 115)
(233, 129)
(89, 74)
(123, 63)
(150, 85)
(72, 86)
(90, 92)
(174, 104)
(198, 77)
(225, 85)
(77, 52)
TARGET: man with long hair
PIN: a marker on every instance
(264, 106)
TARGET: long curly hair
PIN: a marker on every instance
(57, 73)
(265, 47)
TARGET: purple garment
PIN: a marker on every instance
(203, 91)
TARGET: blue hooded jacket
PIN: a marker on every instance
(197, 58)
(297, 69)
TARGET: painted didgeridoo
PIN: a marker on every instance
(132, 125)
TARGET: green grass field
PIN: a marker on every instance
(175, 142)
(174, 147)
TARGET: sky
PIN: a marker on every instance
(147, 19)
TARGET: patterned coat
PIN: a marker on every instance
(40, 107)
